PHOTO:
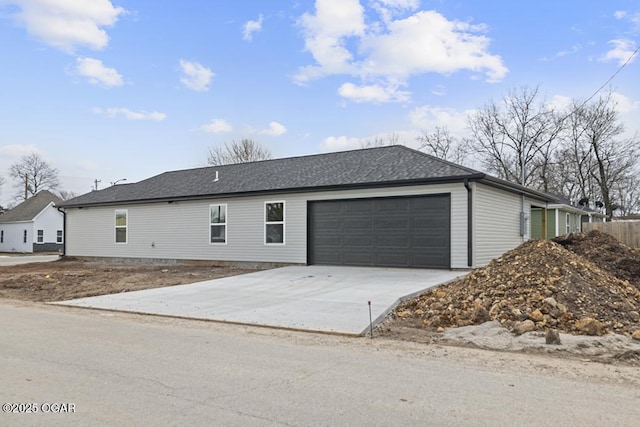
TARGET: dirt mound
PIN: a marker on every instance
(606, 252)
(539, 285)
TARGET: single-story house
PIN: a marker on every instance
(562, 217)
(35, 225)
(386, 206)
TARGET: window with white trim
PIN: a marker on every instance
(568, 216)
(59, 236)
(218, 223)
(40, 236)
(121, 225)
(24, 236)
(1, 236)
(274, 223)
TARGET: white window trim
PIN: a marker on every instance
(38, 240)
(61, 238)
(1, 236)
(126, 227)
(225, 223)
(568, 223)
(283, 222)
(24, 237)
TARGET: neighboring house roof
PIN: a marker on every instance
(30, 208)
(567, 205)
(373, 167)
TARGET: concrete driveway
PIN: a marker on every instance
(314, 298)
(26, 259)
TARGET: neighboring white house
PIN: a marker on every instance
(35, 225)
(387, 206)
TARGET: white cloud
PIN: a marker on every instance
(428, 117)
(195, 76)
(97, 73)
(621, 52)
(275, 129)
(386, 53)
(372, 93)
(390, 8)
(341, 143)
(620, 14)
(66, 24)
(451, 46)
(325, 37)
(561, 103)
(251, 27)
(131, 114)
(217, 126)
(624, 104)
(15, 151)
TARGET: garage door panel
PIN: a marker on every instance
(358, 258)
(357, 224)
(391, 232)
(358, 241)
(392, 241)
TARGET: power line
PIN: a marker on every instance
(613, 76)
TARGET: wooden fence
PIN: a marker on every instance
(628, 232)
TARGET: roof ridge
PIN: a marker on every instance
(289, 158)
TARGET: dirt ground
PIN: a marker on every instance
(68, 278)
(578, 294)
(543, 285)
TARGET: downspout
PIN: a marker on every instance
(469, 223)
(64, 230)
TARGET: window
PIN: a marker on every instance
(59, 236)
(24, 236)
(40, 236)
(218, 222)
(568, 223)
(121, 226)
(274, 223)
(1, 236)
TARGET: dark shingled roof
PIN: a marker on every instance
(30, 208)
(392, 165)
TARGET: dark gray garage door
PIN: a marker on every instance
(385, 232)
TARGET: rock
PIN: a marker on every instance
(634, 315)
(536, 315)
(551, 302)
(636, 335)
(562, 308)
(480, 315)
(520, 328)
(552, 337)
(590, 326)
(440, 329)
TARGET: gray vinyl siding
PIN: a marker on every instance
(180, 230)
(497, 222)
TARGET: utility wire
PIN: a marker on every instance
(613, 76)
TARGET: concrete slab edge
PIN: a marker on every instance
(204, 319)
(392, 307)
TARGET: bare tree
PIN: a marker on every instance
(244, 151)
(512, 137)
(32, 174)
(66, 195)
(442, 144)
(378, 141)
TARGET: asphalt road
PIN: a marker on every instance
(119, 369)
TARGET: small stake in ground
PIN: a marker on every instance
(370, 321)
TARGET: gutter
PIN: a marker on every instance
(295, 190)
(469, 223)
(64, 230)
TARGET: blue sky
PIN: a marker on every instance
(129, 89)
